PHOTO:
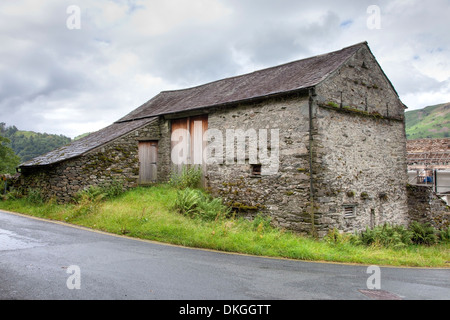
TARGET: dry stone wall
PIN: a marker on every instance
(360, 84)
(358, 156)
(425, 207)
(115, 161)
(359, 171)
(284, 193)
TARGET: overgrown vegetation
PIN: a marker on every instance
(191, 217)
(393, 236)
(196, 203)
(193, 202)
(28, 145)
(88, 201)
(8, 159)
(189, 177)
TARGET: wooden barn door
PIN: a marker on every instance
(148, 157)
(197, 128)
(188, 142)
(180, 144)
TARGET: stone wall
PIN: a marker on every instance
(360, 84)
(115, 161)
(360, 172)
(283, 194)
(358, 156)
(424, 206)
(164, 150)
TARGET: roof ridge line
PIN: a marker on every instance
(265, 69)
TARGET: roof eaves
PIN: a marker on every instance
(76, 155)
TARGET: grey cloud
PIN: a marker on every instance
(45, 66)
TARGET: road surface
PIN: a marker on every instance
(42, 260)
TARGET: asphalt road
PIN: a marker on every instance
(42, 260)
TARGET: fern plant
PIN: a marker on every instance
(423, 233)
(444, 235)
(187, 201)
(386, 235)
(195, 203)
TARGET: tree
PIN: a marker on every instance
(8, 159)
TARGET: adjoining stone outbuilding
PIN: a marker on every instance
(324, 137)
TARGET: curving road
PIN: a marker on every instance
(41, 260)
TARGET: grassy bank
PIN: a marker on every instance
(149, 213)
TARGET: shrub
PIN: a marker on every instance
(87, 201)
(423, 233)
(386, 235)
(187, 201)
(334, 236)
(212, 208)
(261, 222)
(190, 177)
(444, 235)
(34, 196)
(14, 194)
(98, 193)
(195, 203)
(92, 193)
(113, 189)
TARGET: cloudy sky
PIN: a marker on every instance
(76, 66)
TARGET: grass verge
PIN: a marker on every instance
(148, 213)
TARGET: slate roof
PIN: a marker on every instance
(289, 77)
(428, 151)
(286, 78)
(85, 144)
(428, 145)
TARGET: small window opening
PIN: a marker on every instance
(349, 212)
(256, 169)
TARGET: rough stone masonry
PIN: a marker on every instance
(342, 144)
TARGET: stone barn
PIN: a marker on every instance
(317, 143)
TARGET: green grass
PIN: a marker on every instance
(148, 213)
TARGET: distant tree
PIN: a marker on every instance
(8, 159)
(28, 145)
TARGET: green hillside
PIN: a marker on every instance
(81, 136)
(28, 144)
(431, 122)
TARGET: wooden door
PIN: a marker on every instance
(187, 142)
(187, 137)
(148, 157)
(180, 144)
(197, 128)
